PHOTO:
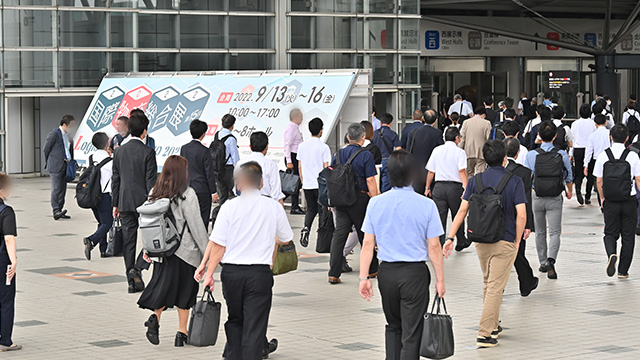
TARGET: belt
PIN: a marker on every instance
(449, 182)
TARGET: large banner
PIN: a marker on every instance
(259, 103)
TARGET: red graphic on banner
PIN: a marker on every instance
(212, 130)
(225, 97)
(137, 98)
(78, 142)
(553, 36)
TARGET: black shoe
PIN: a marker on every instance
(580, 199)
(60, 215)
(304, 237)
(611, 265)
(552, 274)
(132, 289)
(104, 255)
(623, 276)
(135, 277)
(153, 327)
(496, 333)
(65, 216)
(298, 211)
(88, 246)
(535, 286)
(544, 268)
(181, 339)
(461, 245)
(271, 347)
(587, 201)
(345, 266)
(486, 342)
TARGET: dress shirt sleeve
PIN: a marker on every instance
(430, 164)
(567, 167)
(326, 154)
(283, 229)
(274, 182)
(598, 169)
(232, 147)
(367, 224)
(530, 160)
(462, 160)
(221, 227)
(588, 153)
(434, 224)
(625, 117)
(288, 140)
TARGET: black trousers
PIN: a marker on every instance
(104, 215)
(346, 218)
(58, 190)
(247, 289)
(295, 198)
(224, 184)
(204, 200)
(448, 197)
(620, 221)
(404, 288)
(525, 273)
(311, 195)
(578, 156)
(420, 184)
(591, 181)
(129, 238)
(7, 302)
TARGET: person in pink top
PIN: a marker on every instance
(292, 139)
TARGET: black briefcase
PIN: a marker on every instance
(115, 240)
(437, 334)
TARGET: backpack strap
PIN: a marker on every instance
(511, 166)
(503, 182)
(90, 159)
(412, 138)
(479, 184)
(624, 154)
(609, 154)
(354, 155)
(386, 144)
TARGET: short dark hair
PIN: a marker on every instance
(508, 102)
(558, 112)
(597, 108)
(545, 114)
(510, 113)
(600, 119)
(494, 152)
(315, 126)
(123, 118)
(136, 111)
(401, 167)
(585, 111)
(228, 121)
(373, 110)
(547, 130)
(510, 128)
(488, 100)
(100, 140)
(430, 116)
(454, 116)
(138, 123)
(198, 128)
(66, 120)
(258, 141)
(386, 118)
(480, 110)
(512, 145)
(451, 133)
(619, 133)
(252, 171)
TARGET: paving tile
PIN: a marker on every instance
(109, 343)
(289, 294)
(27, 323)
(613, 349)
(313, 270)
(316, 260)
(64, 234)
(355, 346)
(89, 293)
(374, 311)
(604, 312)
(55, 270)
(106, 279)
(23, 249)
(74, 259)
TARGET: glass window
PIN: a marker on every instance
(322, 61)
(252, 5)
(157, 31)
(409, 69)
(335, 5)
(202, 62)
(82, 68)
(302, 61)
(309, 32)
(409, 34)
(158, 4)
(376, 6)
(124, 3)
(410, 7)
(29, 69)
(251, 32)
(121, 29)
(376, 33)
(82, 3)
(157, 61)
(210, 5)
(250, 61)
(30, 2)
(383, 68)
(28, 27)
(301, 5)
(198, 31)
(82, 28)
(121, 62)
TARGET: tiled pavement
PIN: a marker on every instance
(70, 308)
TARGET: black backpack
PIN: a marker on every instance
(88, 191)
(486, 223)
(633, 123)
(336, 183)
(635, 147)
(548, 177)
(496, 131)
(616, 177)
(560, 142)
(218, 152)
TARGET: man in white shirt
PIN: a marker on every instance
(271, 185)
(511, 129)
(523, 103)
(597, 142)
(463, 109)
(244, 238)
(581, 130)
(103, 212)
(313, 156)
(533, 122)
(618, 198)
(448, 167)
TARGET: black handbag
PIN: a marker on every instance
(114, 241)
(205, 321)
(325, 230)
(290, 182)
(437, 333)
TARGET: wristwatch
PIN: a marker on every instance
(450, 238)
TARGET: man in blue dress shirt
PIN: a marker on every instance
(386, 140)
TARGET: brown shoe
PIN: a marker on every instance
(374, 275)
(334, 280)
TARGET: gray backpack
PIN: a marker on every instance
(160, 236)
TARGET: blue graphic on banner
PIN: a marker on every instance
(105, 108)
(190, 106)
(161, 106)
(591, 39)
(432, 40)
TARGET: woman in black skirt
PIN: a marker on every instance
(172, 282)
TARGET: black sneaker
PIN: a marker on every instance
(544, 268)
(587, 201)
(88, 246)
(528, 291)
(297, 211)
(486, 342)
(623, 276)
(580, 199)
(611, 265)
(304, 237)
(496, 333)
(345, 266)
(551, 273)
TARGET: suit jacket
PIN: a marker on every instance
(525, 174)
(134, 174)
(201, 177)
(53, 149)
(424, 141)
(474, 133)
(407, 131)
(492, 115)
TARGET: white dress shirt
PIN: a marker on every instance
(632, 159)
(628, 113)
(312, 154)
(522, 155)
(461, 108)
(446, 161)
(105, 170)
(596, 143)
(247, 227)
(533, 122)
(581, 129)
(271, 185)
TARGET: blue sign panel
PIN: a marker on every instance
(432, 40)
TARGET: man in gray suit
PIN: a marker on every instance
(134, 174)
(58, 151)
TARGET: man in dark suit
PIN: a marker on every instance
(492, 115)
(134, 174)
(418, 122)
(528, 282)
(421, 144)
(58, 151)
(201, 176)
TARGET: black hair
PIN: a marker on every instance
(228, 121)
(558, 112)
(510, 113)
(100, 140)
(547, 130)
(253, 171)
(488, 100)
(510, 128)
(386, 118)
(597, 108)
(585, 111)
(619, 133)
(546, 96)
(539, 108)
(136, 111)
(123, 118)
(451, 133)
(66, 120)
(373, 110)
(480, 110)
(197, 128)
(454, 116)
(430, 116)
(138, 123)
(512, 145)
(258, 141)
(508, 102)
(600, 119)
(315, 126)
(545, 114)
(401, 168)
(494, 152)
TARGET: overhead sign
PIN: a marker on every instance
(444, 40)
(260, 102)
(560, 80)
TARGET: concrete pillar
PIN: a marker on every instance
(606, 78)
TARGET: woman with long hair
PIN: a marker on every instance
(172, 282)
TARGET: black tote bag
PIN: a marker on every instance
(325, 230)
(437, 334)
(289, 182)
(114, 241)
(205, 321)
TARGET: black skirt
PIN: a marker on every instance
(172, 284)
